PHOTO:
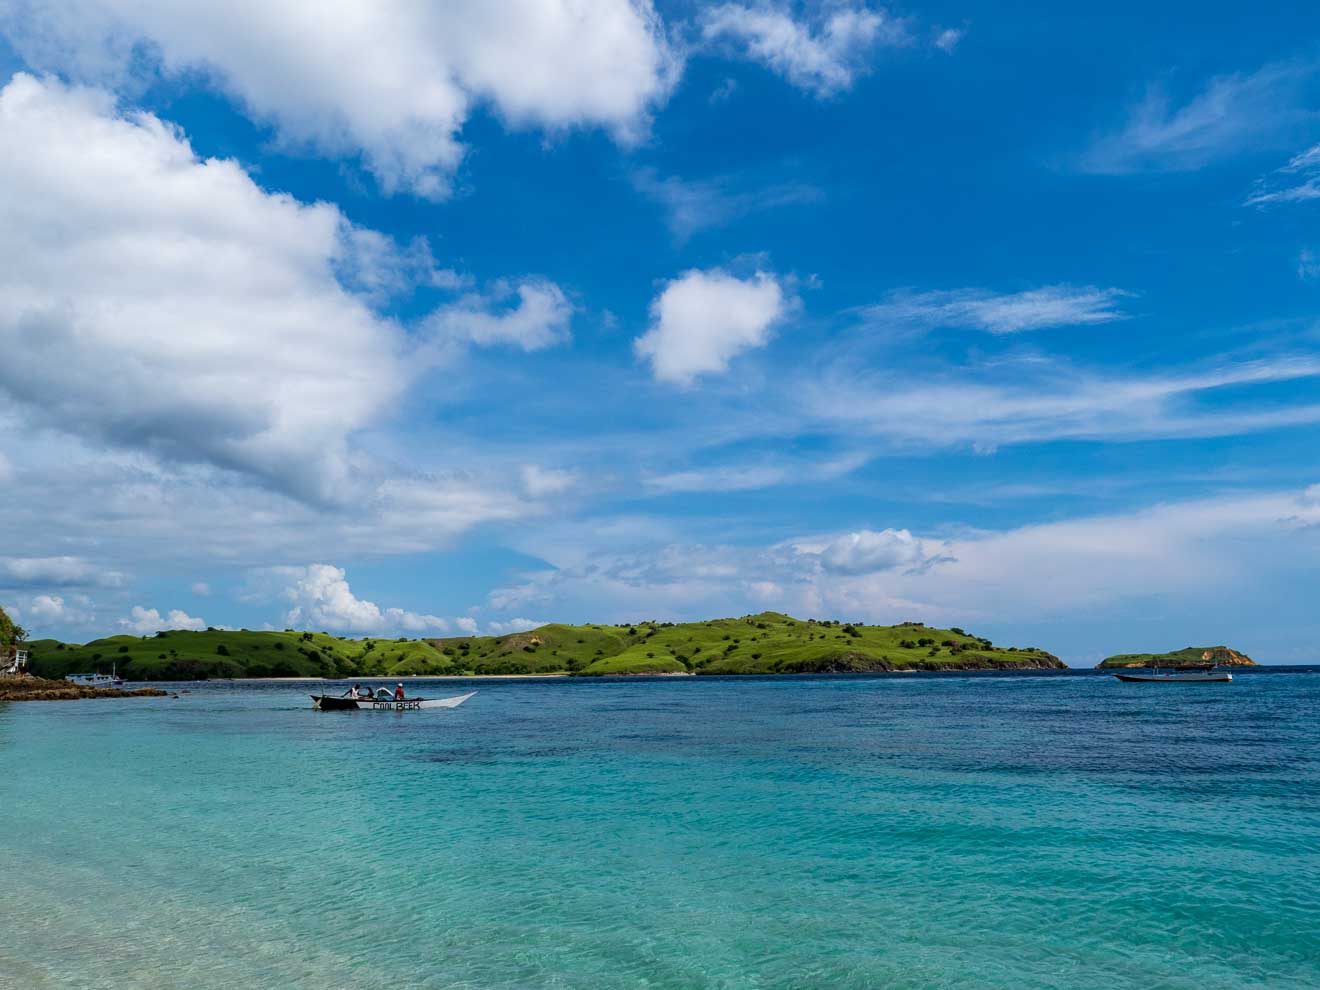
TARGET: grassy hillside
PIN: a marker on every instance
(1189, 655)
(769, 643)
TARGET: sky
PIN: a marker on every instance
(400, 319)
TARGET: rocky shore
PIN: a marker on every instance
(40, 689)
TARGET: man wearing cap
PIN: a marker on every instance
(398, 692)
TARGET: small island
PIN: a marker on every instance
(767, 643)
(1220, 656)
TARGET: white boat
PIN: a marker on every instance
(1156, 676)
(384, 702)
(111, 680)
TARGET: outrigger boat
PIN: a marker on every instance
(1193, 674)
(383, 701)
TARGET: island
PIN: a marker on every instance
(1220, 656)
(767, 643)
(17, 683)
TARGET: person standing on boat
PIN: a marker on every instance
(398, 692)
(354, 692)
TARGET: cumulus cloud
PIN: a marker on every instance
(167, 303)
(512, 626)
(1001, 313)
(146, 621)
(823, 56)
(532, 314)
(48, 608)
(703, 319)
(391, 80)
(466, 625)
(1232, 113)
(321, 598)
(866, 551)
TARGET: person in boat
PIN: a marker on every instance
(354, 692)
(398, 692)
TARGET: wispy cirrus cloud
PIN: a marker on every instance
(1001, 313)
(1296, 182)
(1042, 400)
(1232, 113)
(693, 205)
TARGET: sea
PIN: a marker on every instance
(989, 830)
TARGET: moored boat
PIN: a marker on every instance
(97, 680)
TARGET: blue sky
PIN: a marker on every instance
(420, 320)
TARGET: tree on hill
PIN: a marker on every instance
(11, 633)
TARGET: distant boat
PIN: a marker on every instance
(110, 680)
(384, 703)
(1179, 675)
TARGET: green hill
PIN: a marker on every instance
(1221, 655)
(769, 643)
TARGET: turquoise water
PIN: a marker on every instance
(982, 831)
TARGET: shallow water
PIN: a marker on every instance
(907, 832)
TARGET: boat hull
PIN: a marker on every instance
(326, 703)
(1207, 677)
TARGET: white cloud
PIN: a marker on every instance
(702, 320)
(867, 551)
(321, 599)
(403, 105)
(1177, 558)
(823, 57)
(201, 589)
(731, 477)
(146, 621)
(948, 39)
(539, 482)
(512, 626)
(1296, 182)
(980, 309)
(1047, 400)
(55, 572)
(1231, 114)
(1308, 265)
(692, 205)
(538, 318)
(49, 608)
(466, 625)
(159, 301)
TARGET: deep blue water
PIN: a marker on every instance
(1023, 831)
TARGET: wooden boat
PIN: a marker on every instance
(97, 680)
(1179, 675)
(333, 703)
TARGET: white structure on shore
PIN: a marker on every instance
(15, 664)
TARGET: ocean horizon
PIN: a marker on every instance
(1043, 829)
